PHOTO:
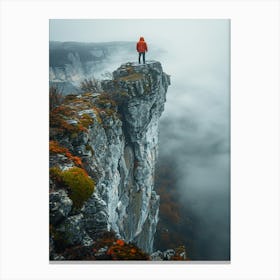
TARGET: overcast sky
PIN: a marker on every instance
(199, 47)
(154, 30)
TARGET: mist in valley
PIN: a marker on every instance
(194, 150)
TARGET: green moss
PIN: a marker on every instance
(86, 120)
(73, 135)
(76, 180)
(81, 186)
(55, 175)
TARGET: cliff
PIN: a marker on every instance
(103, 150)
(72, 62)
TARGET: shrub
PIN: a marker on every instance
(55, 97)
(91, 85)
(69, 98)
(80, 185)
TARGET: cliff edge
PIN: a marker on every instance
(103, 150)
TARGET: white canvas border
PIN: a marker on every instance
(254, 138)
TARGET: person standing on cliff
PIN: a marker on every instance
(141, 47)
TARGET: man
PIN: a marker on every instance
(141, 48)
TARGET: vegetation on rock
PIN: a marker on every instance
(56, 148)
(120, 250)
(86, 120)
(76, 181)
(63, 120)
(55, 176)
(83, 123)
(55, 97)
(91, 85)
(107, 247)
(132, 77)
(80, 185)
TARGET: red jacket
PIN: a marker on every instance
(141, 45)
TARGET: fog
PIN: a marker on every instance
(195, 126)
(195, 133)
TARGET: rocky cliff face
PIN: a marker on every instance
(113, 137)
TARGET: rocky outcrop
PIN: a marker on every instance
(60, 206)
(115, 134)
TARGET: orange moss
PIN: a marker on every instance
(60, 117)
(118, 249)
(124, 251)
(120, 242)
(55, 148)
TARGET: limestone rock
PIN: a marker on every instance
(119, 150)
(60, 206)
(168, 254)
(157, 256)
(72, 231)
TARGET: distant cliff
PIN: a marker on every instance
(72, 62)
(103, 150)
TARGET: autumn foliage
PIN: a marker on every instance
(120, 250)
(115, 249)
(60, 121)
(56, 148)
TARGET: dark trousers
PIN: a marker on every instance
(143, 55)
